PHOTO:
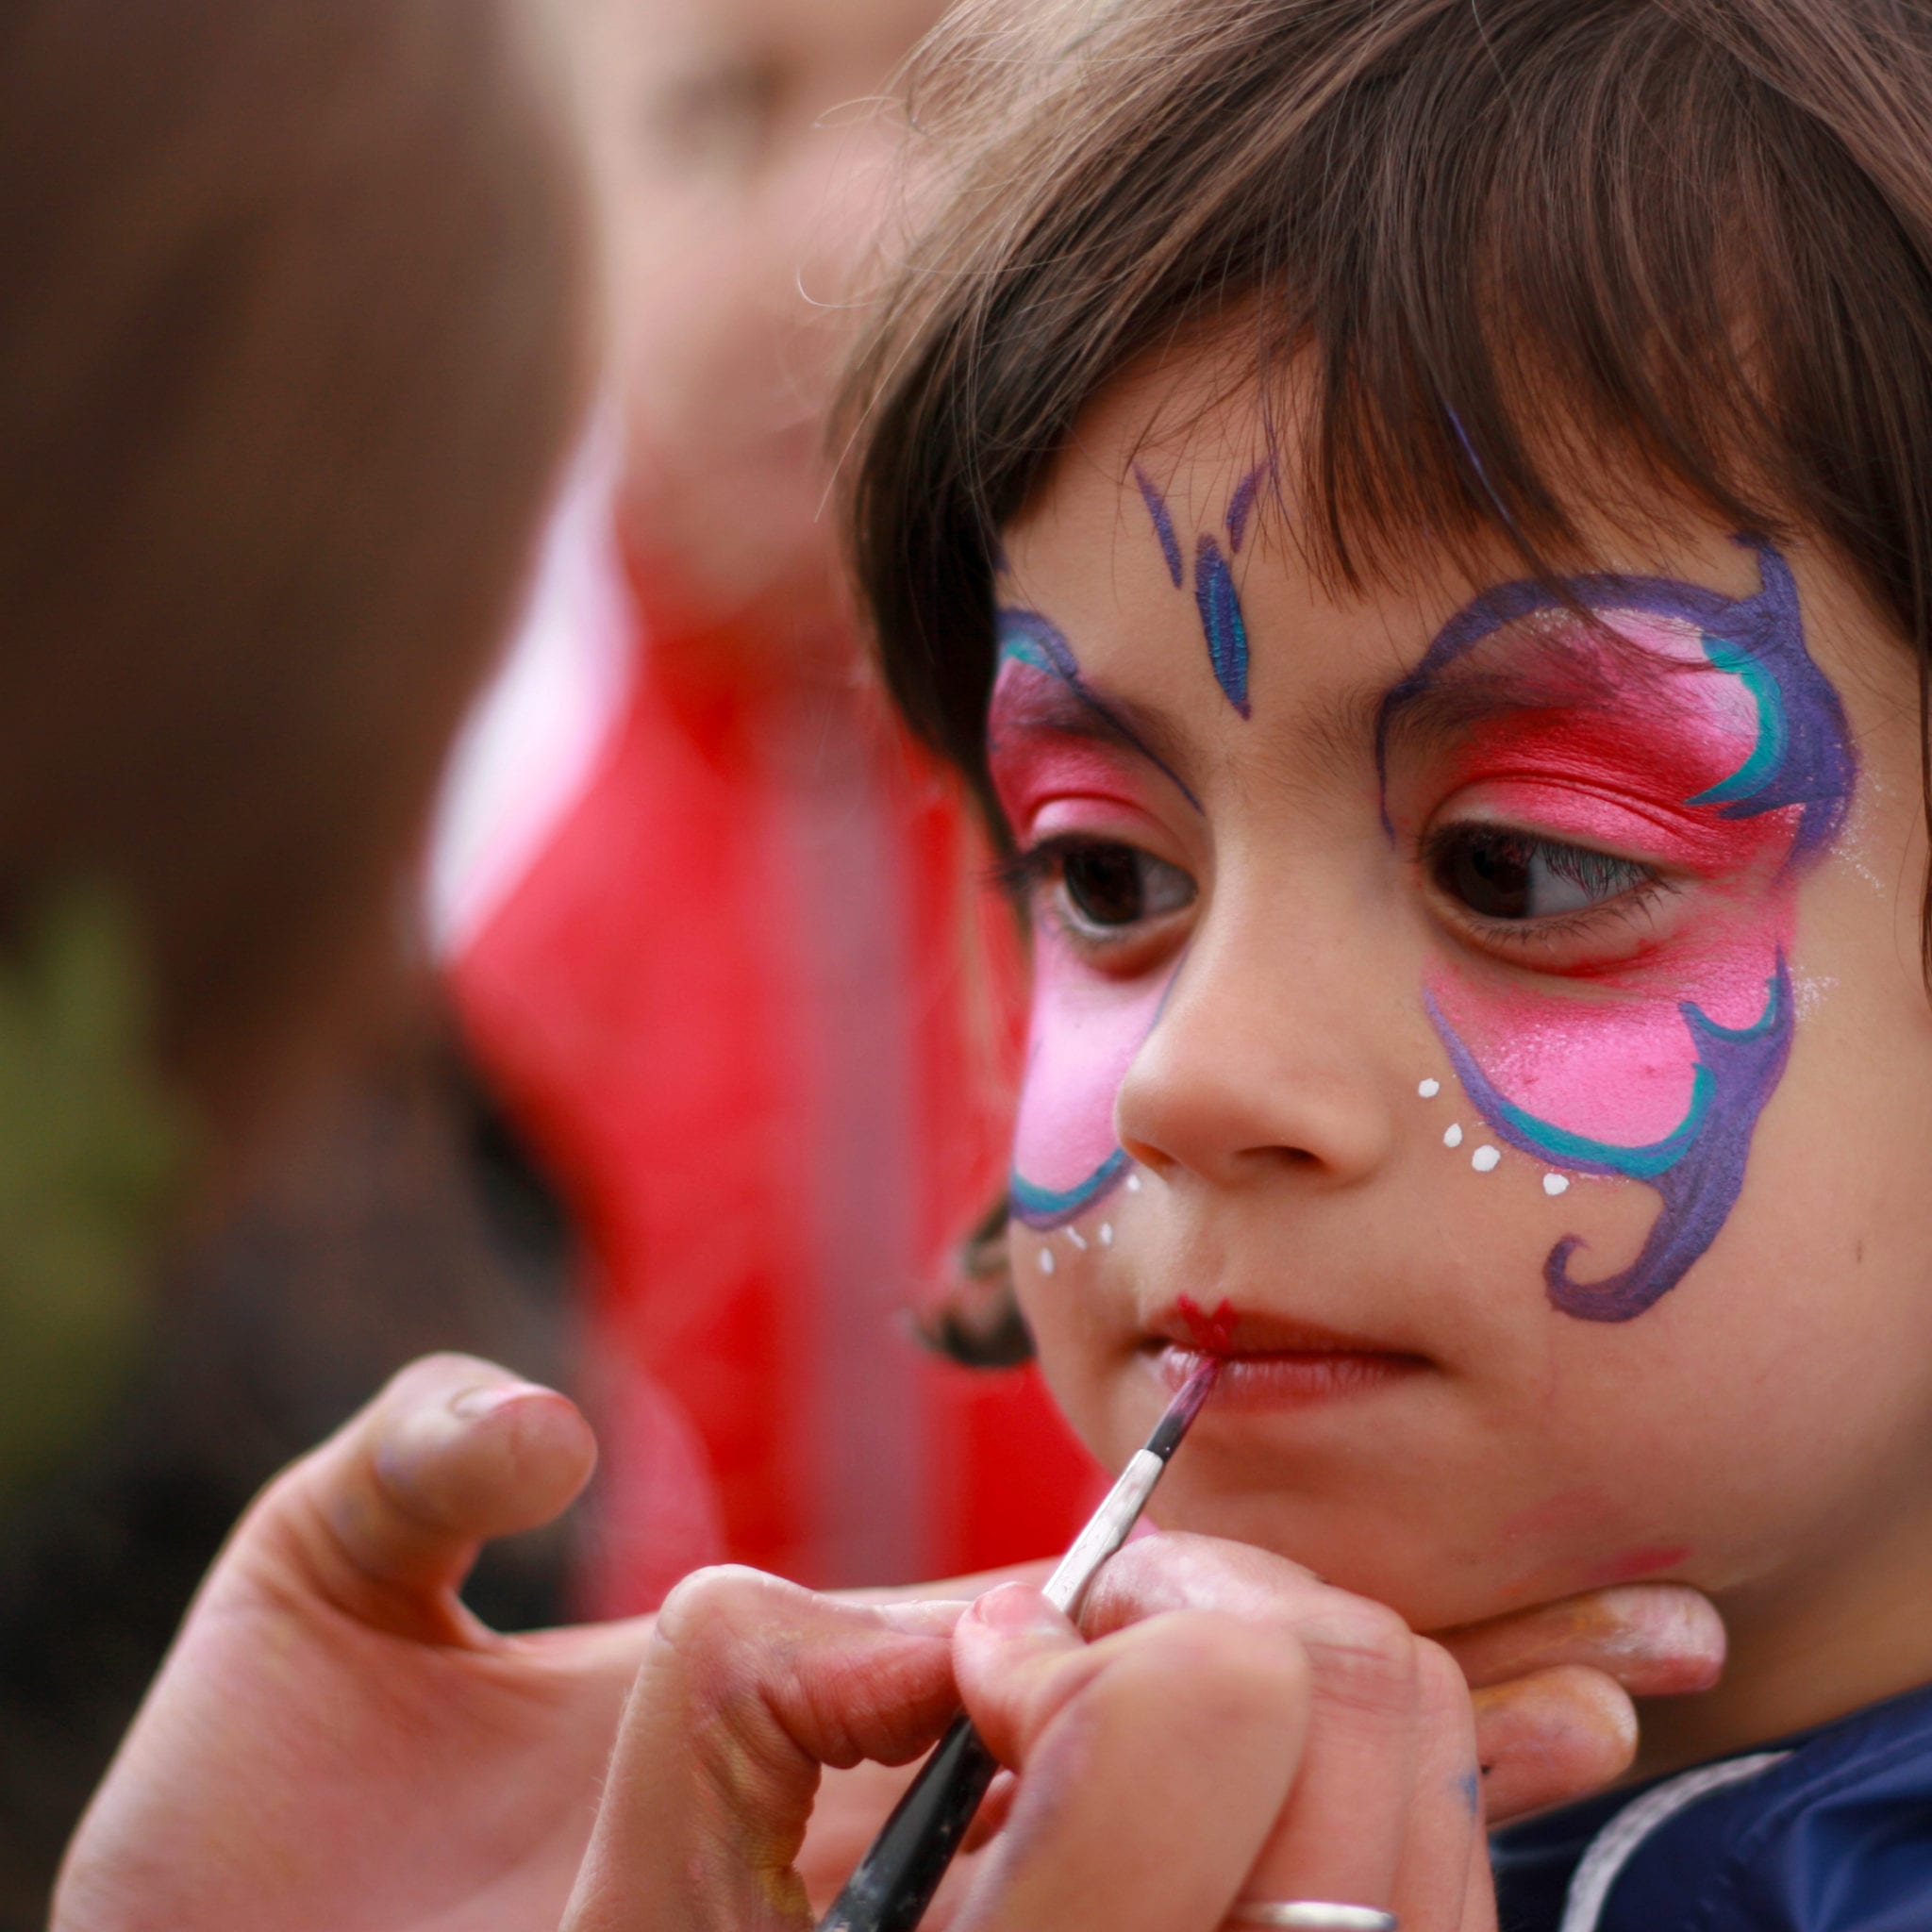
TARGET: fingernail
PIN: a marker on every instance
(1017, 1610)
(924, 1617)
(473, 1404)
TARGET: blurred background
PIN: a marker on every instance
(681, 1061)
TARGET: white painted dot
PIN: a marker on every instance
(1133, 1184)
(1429, 1089)
(1078, 1240)
(1484, 1159)
(1106, 1234)
(1556, 1183)
(1046, 1260)
(1452, 1133)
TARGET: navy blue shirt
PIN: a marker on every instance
(1829, 1831)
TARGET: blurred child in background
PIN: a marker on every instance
(743, 987)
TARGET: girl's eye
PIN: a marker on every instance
(1114, 885)
(1509, 875)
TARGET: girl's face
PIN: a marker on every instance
(1498, 1029)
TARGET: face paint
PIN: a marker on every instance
(1745, 776)
(1163, 524)
(1052, 738)
(1212, 1329)
(1241, 503)
(1220, 610)
(1217, 602)
(1029, 641)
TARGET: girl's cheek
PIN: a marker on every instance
(1085, 1032)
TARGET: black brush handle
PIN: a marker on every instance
(897, 1878)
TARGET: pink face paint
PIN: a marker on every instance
(1063, 759)
(1656, 1067)
(1084, 1035)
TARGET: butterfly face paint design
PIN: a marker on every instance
(1659, 1073)
(1217, 602)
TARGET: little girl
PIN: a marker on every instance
(1417, 519)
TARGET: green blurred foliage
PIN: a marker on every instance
(93, 1155)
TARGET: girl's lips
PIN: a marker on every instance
(1287, 1378)
(1269, 1362)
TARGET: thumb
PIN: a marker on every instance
(751, 1686)
(384, 1519)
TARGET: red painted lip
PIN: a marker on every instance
(1270, 1362)
(1234, 1333)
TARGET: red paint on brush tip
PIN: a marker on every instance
(1213, 1334)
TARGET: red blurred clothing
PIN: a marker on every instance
(753, 1005)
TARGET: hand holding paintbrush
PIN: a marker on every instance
(897, 1878)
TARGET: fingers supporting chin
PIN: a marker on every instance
(1655, 1638)
(1552, 1736)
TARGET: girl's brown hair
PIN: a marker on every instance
(1692, 235)
(294, 322)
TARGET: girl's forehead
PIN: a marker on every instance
(1173, 533)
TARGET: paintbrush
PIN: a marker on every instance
(895, 1880)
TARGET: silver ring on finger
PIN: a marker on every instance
(1311, 1915)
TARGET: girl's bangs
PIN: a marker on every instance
(1494, 268)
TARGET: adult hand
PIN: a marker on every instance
(1410, 1747)
(335, 1741)
(1236, 1729)
(336, 1744)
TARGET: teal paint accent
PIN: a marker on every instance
(1565, 1149)
(1018, 648)
(1768, 753)
(1046, 1207)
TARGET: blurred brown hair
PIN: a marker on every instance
(295, 307)
(1523, 257)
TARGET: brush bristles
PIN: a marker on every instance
(1184, 1409)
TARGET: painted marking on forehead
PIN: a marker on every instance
(1221, 623)
(1164, 522)
(1217, 603)
(1028, 637)
(1802, 757)
(1241, 504)
(1697, 1170)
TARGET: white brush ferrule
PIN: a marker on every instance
(1107, 1529)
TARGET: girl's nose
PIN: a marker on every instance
(1256, 1065)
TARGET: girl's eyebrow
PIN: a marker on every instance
(1447, 705)
(1085, 711)
(1545, 672)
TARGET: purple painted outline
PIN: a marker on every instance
(1164, 522)
(1818, 771)
(1217, 600)
(1242, 502)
